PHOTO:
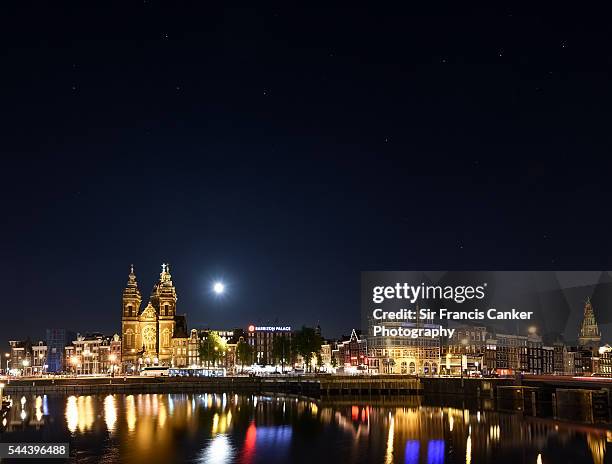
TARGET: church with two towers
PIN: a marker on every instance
(147, 332)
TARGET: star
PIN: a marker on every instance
(165, 36)
(564, 44)
(500, 52)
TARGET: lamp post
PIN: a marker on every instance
(8, 360)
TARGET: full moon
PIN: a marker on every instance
(218, 288)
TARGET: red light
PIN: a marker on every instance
(251, 328)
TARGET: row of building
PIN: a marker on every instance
(154, 334)
(474, 349)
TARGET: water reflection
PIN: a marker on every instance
(211, 428)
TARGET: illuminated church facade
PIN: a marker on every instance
(147, 332)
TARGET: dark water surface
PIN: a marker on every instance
(228, 428)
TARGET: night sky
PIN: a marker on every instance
(285, 151)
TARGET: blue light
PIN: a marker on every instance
(412, 452)
(435, 452)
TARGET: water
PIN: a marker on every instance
(227, 428)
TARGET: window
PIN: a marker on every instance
(148, 338)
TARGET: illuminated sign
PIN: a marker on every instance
(270, 329)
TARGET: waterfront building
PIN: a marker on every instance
(404, 355)
(94, 354)
(180, 341)
(21, 357)
(352, 354)
(39, 358)
(147, 332)
(465, 351)
(589, 335)
(326, 356)
(193, 349)
(261, 338)
(548, 357)
(56, 340)
(558, 364)
(534, 355)
(605, 361)
(569, 361)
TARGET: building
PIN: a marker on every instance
(569, 361)
(403, 355)
(261, 339)
(558, 364)
(56, 340)
(326, 356)
(548, 360)
(534, 355)
(605, 361)
(352, 354)
(589, 335)
(465, 351)
(147, 332)
(180, 340)
(39, 358)
(20, 361)
(94, 354)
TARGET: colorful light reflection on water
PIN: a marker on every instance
(228, 428)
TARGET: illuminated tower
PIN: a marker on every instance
(589, 332)
(164, 300)
(129, 320)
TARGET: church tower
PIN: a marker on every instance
(589, 332)
(164, 300)
(129, 319)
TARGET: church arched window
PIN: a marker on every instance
(166, 338)
(148, 338)
(166, 309)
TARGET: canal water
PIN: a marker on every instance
(228, 428)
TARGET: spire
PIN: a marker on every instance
(132, 277)
(165, 274)
(589, 331)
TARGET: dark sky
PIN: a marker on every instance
(287, 150)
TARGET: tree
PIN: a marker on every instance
(307, 344)
(282, 350)
(244, 352)
(211, 348)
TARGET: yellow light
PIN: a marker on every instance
(112, 358)
(110, 412)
